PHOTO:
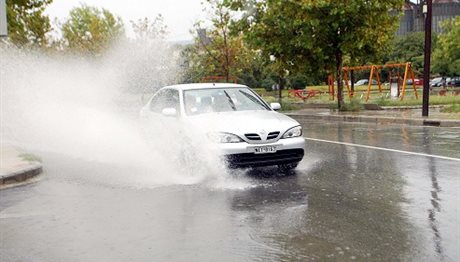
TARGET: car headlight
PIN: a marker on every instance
(220, 137)
(293, 132)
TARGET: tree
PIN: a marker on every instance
(446, 58)
(147, 30)
(91, 30)
(27, 24)
(148, 62)
(409, 48)
(314, 35)
(145, 62)
(217, 50)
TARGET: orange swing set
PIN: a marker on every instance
(374, 71)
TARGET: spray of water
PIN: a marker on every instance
(88, 109)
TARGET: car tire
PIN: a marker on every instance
(287, 168)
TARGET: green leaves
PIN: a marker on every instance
(446, 58)
(27, 24)
(314, 35)
(219, 50)
(91, 30)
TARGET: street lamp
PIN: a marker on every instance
(427, 11)
(273, 60)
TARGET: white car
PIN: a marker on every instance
(247, 131)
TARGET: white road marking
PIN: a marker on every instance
(383, 149)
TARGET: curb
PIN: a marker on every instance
(378, 120)
(21, 175)
(409, 107)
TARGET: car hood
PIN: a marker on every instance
(242, 122)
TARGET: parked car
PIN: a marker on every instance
(454, 82)
(247, 131)
(436, 82)
(363, 82)
(418, 82)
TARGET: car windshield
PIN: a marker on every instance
(199, 101)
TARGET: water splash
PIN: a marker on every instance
(87, 108)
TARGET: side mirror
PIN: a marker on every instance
(275, 106)
(169, 111)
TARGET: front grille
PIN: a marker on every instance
(256, 137)
(273, 135)
(252, 136)
(254, 160)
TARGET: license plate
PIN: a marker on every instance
(264, 149)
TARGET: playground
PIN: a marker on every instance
(386, 85)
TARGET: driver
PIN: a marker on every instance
(190, 104)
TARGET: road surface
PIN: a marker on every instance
(362, 193)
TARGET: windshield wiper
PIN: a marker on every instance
(230, 101)
(253, 99)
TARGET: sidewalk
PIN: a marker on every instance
(390, 115)
(16, 166)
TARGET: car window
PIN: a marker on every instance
(199, 101)
(165, 98)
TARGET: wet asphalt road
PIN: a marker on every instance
(343, 203)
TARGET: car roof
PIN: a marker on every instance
(203, 86)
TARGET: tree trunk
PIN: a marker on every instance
(339, 65)
(352, 81)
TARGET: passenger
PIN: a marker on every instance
(206, 105)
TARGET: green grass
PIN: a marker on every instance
(382, 99)
(354, 105)
(412, 101)
(454, 108)
(30, 158)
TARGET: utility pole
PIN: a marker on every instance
(3, 22)
(428, 11)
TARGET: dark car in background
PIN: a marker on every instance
(454, 82)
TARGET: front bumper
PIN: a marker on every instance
(290, 150)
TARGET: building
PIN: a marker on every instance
(412, 19)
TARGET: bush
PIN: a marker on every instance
(298, 82)
(353, 106)
(267, 83)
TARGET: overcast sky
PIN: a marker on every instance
(179, 15)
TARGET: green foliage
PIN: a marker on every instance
(220, 51)
(314, 37)
(267, 84)
(354, 105)
(298, 82)
(446, 58)
(30, 158)
(27, 23)
(409, 48)
(91, 30)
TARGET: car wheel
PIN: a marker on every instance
(288, 168)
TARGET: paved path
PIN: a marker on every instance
(16, 166)
(389, 116)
